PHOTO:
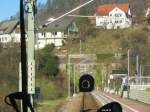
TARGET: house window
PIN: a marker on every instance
(116, 21)
(5, 38)
(118, 15)
(54, 33)
(110, 14)
(44, 34)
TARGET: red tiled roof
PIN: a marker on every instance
(106, 8)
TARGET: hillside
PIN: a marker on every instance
(109, 41)
(54, 8)
(51, 87)
(104, 41)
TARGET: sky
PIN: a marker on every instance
(9, 8)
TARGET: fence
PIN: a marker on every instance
(139, 93)
(139, 80)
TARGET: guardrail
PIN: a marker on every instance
(142, 80)
(138, 92)
(139, 87)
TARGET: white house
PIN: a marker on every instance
(56, 33)
(9, 31)
(113, 16)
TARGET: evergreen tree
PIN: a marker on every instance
(48, 62)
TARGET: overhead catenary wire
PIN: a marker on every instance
(46, 24)
(81, 16)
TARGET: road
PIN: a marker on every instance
(128, 105)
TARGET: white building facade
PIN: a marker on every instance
(114, 17)
(45, 38)
(55, 33)
(9, 32)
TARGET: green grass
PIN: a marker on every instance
(51, 97)
(108, 41)
(50, 105)
(104, 57)
(49, 91)
(148, 89)
(103, 42)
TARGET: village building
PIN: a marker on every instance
(113, 16)
(9, 31)
(55, 33)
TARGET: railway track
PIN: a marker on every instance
(105, 99)
(127, 105)
(83, 101)
(89, 103)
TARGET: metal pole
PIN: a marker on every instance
(23, 57)
(68, 76)
(102, 73)
(137, 68)
(140, 74)
(128, 72)
(137, 64)
(20, 85)
(128, 66)
(80, 46)
(74, 80)
(30, 47)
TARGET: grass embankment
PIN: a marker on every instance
(148, 89)
(105, 43)
(105, 57)
(50, 105)
(101, 43)
(8, 83)
(52, 94)
(108, 41)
